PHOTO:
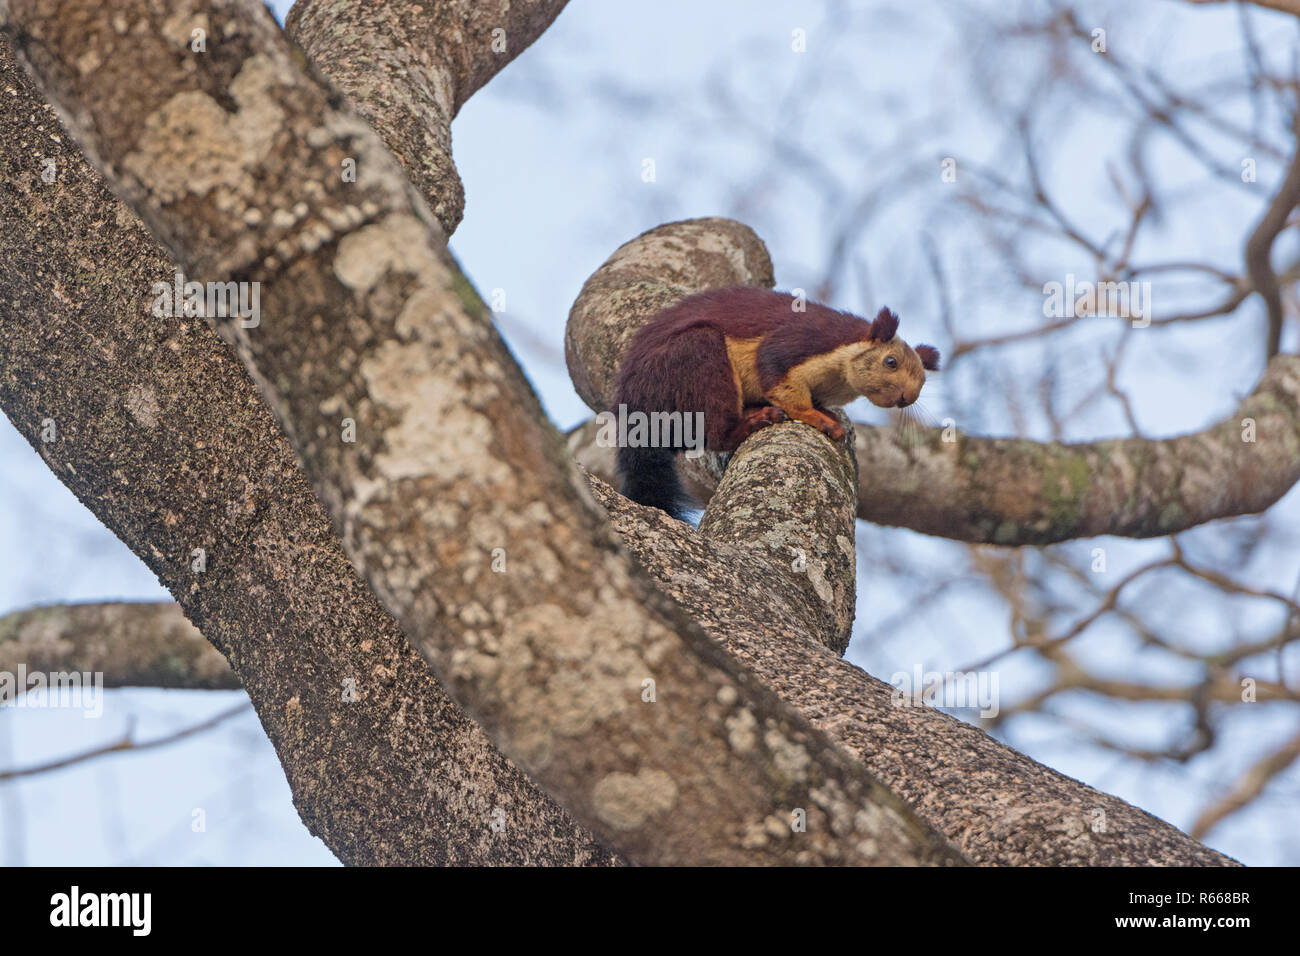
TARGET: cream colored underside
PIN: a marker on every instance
(823, 374)
(743, 354)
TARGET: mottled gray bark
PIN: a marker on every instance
(997, 805)
(647, 274)
(164, 437)
(367, 320)
(789, 492)
(1011, 491)
(408, 68)
(145, 644)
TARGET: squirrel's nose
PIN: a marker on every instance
(904, 401)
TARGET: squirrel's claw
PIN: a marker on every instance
(833, 430)
(766, 415)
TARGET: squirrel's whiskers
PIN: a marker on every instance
(912, 422)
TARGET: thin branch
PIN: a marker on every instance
(127, 743)
(1248, 787)
(1259, 248)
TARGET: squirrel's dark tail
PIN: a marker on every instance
(650, 478)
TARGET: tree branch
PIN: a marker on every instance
(126, 743)
(1259, 248)
(1250, 786)
(408, 68)
(131, 644)
(997, 805)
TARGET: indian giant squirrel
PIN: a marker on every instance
(747, 357)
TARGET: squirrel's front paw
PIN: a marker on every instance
(826, 424)
(832, 429)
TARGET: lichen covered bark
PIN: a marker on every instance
(790, 490)
(364, 319)
(159, 432)
(1015, 492)
(645, 275)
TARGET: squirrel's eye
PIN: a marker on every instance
(891, 362)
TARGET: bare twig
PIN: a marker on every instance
(127, 743)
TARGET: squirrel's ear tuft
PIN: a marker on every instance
(929, 356)
(886, 324)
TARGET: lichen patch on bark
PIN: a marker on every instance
(626, 801)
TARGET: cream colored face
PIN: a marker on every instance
(889, 373)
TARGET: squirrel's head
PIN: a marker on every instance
(886, 369)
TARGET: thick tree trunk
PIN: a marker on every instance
(166, 440)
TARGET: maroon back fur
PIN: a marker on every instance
(656, 376)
